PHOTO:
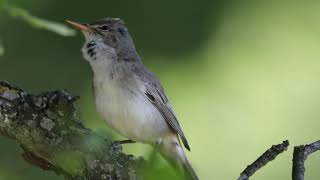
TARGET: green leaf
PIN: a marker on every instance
(40, 23)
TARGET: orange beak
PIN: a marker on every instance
(79, 26)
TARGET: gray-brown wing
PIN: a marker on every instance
(156, 98)
(155, 94)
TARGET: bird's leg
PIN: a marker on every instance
(157, 145)
(116, 145)
(154, 152)
(128, 141)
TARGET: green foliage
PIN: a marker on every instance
(40, 23)
(34, 21)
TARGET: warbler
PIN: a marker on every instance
(127, 95)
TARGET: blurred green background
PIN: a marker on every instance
(241, 75)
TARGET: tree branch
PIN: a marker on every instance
(53, 138)
(300, 154)
(266, 157)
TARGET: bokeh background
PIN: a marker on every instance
(241, 75)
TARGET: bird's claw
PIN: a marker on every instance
(116, 146)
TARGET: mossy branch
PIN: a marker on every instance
(53, 138)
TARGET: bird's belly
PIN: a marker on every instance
(131, 114)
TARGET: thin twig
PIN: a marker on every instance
(300, 154)
(266, 157)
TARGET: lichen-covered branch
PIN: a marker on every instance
(266, 157)
(53, 138)
(300, 154)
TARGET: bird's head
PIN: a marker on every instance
(106, 39)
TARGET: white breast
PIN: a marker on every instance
(128, 112)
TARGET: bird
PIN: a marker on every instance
(127, 95)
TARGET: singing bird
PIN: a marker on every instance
(127, 95)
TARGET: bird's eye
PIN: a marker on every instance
(104, 27)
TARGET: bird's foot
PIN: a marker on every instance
(128, 141)
(116, 145)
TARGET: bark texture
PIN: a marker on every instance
(265, 158)
(300, 155)
(53, 138)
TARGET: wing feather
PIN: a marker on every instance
(155, 94)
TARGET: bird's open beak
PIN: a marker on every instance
(79, 26)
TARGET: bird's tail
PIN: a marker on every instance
(173, 152)
(189, 170)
